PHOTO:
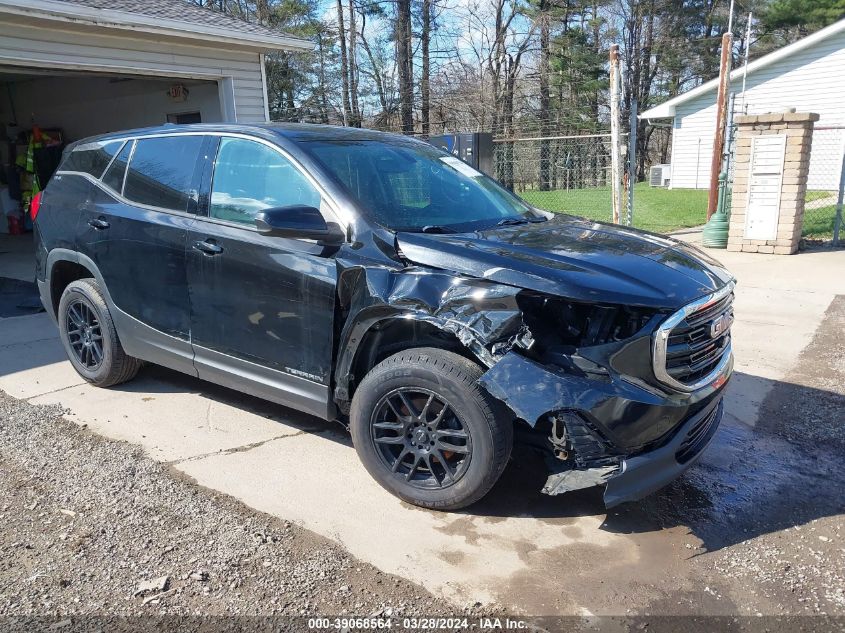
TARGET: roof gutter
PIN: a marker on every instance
(124, 20)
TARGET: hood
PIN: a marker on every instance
(577, 259)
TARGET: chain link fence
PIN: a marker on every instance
(825, 181)
(571, 174)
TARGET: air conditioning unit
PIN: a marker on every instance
(659, 175)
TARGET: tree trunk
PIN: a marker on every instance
(262, 11)
(405, 63)
(323, 97)
(425, 90)
(545, 99)
(344, 65)
(355, 119)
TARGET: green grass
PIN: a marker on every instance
(655, 209)
(818, 223)
(664, 210)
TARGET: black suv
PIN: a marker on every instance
(373, 279)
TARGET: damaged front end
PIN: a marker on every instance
(578, 376)
(589, 388)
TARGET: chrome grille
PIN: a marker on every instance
(689, 351)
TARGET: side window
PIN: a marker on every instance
(250, 177)
(91, 158)
(161, 171)
(113, 178)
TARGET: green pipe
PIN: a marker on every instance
(715, 233)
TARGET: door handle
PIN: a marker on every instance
(98, 223)
(209, 248)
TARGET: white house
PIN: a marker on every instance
(92, 66)
(808, 75)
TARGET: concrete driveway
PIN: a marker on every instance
(530, 553)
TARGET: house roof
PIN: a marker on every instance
(667, 108)
(176, 18)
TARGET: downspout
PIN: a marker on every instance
(263, 62)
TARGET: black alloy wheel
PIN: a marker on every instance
(427, 431)
(421, 438)
(84, 334)
(89, 336)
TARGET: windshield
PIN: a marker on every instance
(416, 187)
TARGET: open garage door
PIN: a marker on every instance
(42, 110)
(86, 103)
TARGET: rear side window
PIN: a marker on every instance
(113, 177)
(161, 171)
(91, 158)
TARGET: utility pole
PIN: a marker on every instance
(616, 148)
(721, 111)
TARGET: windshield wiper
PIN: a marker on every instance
(516, 221)
(434, 228)
(511, 222)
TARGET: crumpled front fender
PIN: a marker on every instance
(482, 315)
(531, 390)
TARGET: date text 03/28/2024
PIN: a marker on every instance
(376, 623)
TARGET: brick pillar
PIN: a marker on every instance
(798, 129)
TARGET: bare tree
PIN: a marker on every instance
(405, 62)
(346, 107)
(544, 18)
(355, 119)
(425, 84)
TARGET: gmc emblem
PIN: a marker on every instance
(721, 324)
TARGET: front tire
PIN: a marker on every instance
(428, 432)
(90, 338)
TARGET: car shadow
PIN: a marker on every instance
(18, 298)
(160, 380)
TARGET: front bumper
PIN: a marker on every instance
(641, 428)
(648, 472)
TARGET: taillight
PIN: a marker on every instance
(35, 204)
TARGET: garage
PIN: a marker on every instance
(74, 68)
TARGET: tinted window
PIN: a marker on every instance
(250, 176)
(91, 158)
(114, 174)
(410, 186)
(161, 171)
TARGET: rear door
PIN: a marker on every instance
(262, 308)
(136, 229)
(66, 203)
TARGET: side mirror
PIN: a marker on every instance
(298, 221)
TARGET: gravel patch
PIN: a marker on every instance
(793, 511)
(92, 526)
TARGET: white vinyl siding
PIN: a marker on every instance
(810, 80)
(26, 43)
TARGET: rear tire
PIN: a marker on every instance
(90, 338)
(428, 432)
